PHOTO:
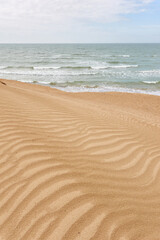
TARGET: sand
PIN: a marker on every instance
(78, 166)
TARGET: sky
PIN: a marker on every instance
(79, 21)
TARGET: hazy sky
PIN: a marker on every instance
(67, 21)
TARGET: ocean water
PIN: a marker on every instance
(84, 67)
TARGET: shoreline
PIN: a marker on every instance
(78, 166)
(90, 90)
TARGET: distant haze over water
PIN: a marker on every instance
(84, 67)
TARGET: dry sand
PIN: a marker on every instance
(78, 166)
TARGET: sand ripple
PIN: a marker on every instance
(78, 166)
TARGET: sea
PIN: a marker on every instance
(84, 67)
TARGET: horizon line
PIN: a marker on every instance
(82, 43)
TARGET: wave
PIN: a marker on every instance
(73, 84)
(17, 67)
(95, 88)
(45, 68)
(78, 54)
(76, 67)
(68, 67)
(32, 73)
(118, 66)
(91, 83)
(124, 66)
(151, 82)
(151, 71)
(123, 55)
(116, 62)
(65, 67)
(87, 86)
(119, 55)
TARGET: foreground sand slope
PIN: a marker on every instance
(78, 166)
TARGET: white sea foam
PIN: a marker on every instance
(114, 66)
(151, 82)
(45, 68)
(66, 68)
(124, 55)
(48, 73)
(119, 55)
(124, 66)
(150, 73)
(99, 67)
(106, 89)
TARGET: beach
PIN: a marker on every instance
(78, 166)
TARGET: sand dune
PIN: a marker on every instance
(78, 166)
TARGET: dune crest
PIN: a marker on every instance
(78, 166)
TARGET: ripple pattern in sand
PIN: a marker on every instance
(68, 172)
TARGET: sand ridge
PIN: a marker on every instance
(78, 166)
